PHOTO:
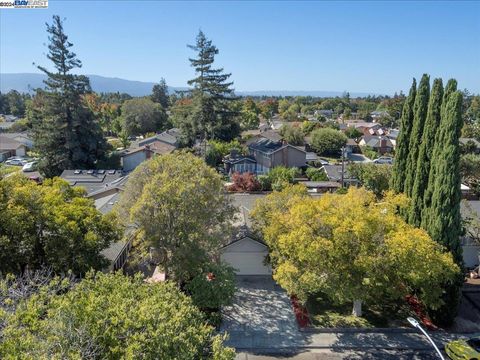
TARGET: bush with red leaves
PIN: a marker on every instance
(245, 182)
(419, 310)
(300, 311)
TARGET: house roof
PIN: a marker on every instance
(160, 148)
(267, 146)
(351, 142)
(7, 143)
(272, 135)
(320, 184)
(169, 136)
(93, 180)
(375, 141)
(238, 158)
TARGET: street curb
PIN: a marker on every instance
(313, 330)
(284, 350)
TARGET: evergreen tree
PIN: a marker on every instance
(440, 139)
(211, 115)
(160, 93)
(424, 155)
(444, 214)
(445, 225)
(419, 116)
(401, 151)
(65, 131)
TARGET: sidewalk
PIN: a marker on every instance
(350, 340)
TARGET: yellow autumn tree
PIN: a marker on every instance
(350, 247)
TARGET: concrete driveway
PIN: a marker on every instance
(261, 316)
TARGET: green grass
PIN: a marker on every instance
(324, 314)
(8, 169)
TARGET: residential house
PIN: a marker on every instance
(334, 174)
(94, 180)
(381, 144)
(379, 114)
(367, 128)
(325, 113)
(10, 146)
(351, 147)
(321, 186)
(141, 150)
(470, 211)
(265, 154)
(245, 252)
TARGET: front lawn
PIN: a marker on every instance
(324, 314)
(8, 169)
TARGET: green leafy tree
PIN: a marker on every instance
(327, 141)
(353, 133)
(281, 176)
(422, 172)
(160, 93)
(141, 116)
(213, 287)
(314, 242)
(315, 174)
(470, 171)
(110, 316)
(217, 150)
(65, 131)
(51, 225)
(292, 135)
(374, 177)
(420, 108)
(179, 204)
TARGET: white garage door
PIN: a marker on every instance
(247, 263)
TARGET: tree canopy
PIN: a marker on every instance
(327, 141)
(353, 240)
(107, 316)
(65, 130)
(53, 225)
(179, 204)
(141, 116)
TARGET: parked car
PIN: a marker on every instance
(464, 349)
(15, 161)
(30, 166)
(383, 160)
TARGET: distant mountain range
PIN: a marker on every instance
(26, 82)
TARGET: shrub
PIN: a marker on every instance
(315, 174)
(245, 182)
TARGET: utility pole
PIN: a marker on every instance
(343, 166)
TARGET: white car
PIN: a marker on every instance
(30, 166)
(16, 162)
(384, 160)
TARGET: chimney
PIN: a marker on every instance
(233, 153)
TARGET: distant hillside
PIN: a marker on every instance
(26, 82)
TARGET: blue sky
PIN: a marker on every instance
(339, 45)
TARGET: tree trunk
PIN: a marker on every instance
(357, 308)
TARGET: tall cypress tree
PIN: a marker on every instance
(440, 139)
(424, 155)
(445, 225)
(420, 114)
(65, 131)
(444, 214)
(402, 148)
(212, 116)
